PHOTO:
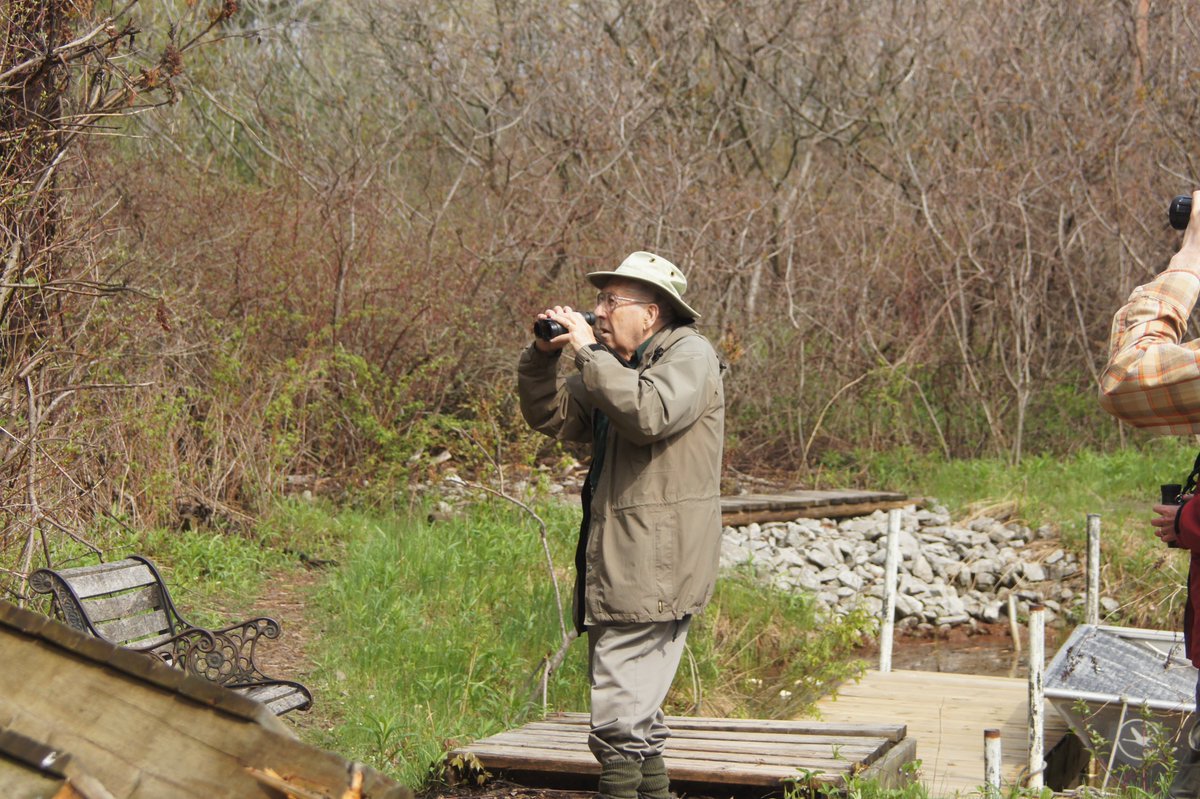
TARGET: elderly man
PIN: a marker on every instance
(647, 396)
(1153, 381)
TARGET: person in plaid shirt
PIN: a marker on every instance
(1152, 381)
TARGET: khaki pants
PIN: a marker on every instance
(631, 668)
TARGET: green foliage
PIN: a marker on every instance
(210, 573)
(445, 626)
(808, 785)
(762, 653)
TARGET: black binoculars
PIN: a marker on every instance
(1180, 211)
(547, 329)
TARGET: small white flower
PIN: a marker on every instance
(784, 694)
(754, 681)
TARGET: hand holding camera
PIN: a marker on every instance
(1170, 498)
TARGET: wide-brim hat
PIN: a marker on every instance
(653, 270)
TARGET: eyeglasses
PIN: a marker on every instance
(613, 301)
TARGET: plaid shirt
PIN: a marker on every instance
(1153, 377)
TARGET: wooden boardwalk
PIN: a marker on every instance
(746, 508)
(946, 715)
(707, 756)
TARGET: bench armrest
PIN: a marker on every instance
(191, 650)
(236, 647)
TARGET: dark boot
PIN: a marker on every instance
(1186, 784)
(619, 779)
(654, 783)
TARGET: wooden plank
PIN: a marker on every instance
(279, 698)
(888, 770)
(109, 582)
(714, 738)
(814, 512)
(704, 749)
(946, 714)
(146, 629)
(581, 761)
(140, 740)
(892, 732)
(120, 605)
(731, 759)
(750, 753)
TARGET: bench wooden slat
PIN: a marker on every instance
(120, 605)
(109, 582)
(130, 630)
(280, 698)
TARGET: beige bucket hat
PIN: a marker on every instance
(646, 267)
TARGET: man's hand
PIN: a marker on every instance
(1164, 522)
(579, 333)
(1188, 256)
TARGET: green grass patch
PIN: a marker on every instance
(434, 634)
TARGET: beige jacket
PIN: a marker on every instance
(652, 535)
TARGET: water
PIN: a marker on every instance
(990, 655)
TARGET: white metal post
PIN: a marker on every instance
(991, 763)
(891, 567)
(1093, 568)
(1037, 695)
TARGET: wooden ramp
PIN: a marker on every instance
(705, 755)
(747, 508)
(946, 714)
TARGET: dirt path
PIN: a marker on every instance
(285, 597)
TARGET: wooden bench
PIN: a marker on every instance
(126, 603)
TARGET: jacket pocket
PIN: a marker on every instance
(628, 561)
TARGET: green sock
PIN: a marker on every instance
(619, 779)
(654, 783)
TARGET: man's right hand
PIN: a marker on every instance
(559, 314)
(579, 332)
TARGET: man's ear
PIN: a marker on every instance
(654, 312)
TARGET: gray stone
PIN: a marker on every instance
(1033, 572)
(821, 557)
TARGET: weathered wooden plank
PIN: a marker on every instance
(892, 732)
(111, 581)
(730, 757)
(700, 739)
(681, 769)
(146, 629)
(813, 512)
(279, 698)
(142, 741)
(946, 714)
(118, 606)
(703, 748)
(888, 769)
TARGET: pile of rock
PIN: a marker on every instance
(948, 574)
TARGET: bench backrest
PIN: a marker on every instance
(124, 602)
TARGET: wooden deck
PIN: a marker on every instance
(746, 508)
(946, 715)
(705, 756)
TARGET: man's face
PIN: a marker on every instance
(624, 318)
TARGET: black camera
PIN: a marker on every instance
(1171, 493)
(547, 329)
(1180, 211)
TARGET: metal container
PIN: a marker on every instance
(1127, 693)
